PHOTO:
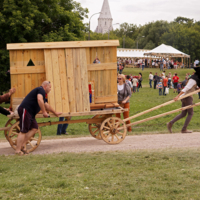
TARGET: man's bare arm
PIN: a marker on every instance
(42, 106)
(50, 109)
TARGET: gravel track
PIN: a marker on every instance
(90, 144)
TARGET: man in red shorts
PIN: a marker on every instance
(30, 106)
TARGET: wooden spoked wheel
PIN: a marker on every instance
(9, 123)
(113, 130)
(95, 128)
(31, 145)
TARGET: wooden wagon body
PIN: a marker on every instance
(79, 86)
(70, 69)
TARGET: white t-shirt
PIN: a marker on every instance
(120, 87)
(151, 76)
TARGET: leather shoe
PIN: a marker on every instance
(186, 131)
(169, 127)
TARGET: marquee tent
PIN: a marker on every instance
(132, 53)
(166, 51)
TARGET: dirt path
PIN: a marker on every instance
(89, 144)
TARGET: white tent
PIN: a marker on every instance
(166, 51)
(131, 53)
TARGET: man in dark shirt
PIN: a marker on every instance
(184, 82)
(155, 79)
(30, 106)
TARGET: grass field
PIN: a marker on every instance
(133, 175)
(138, 175)
(146, 98)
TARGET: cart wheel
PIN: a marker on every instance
(95, 128)
(113, 130)
(9, 123)
(31, 145)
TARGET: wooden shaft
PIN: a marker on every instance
(88, 121)
(4, 129)
(164, 114)
(160, 106)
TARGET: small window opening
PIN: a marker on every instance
(30, 63)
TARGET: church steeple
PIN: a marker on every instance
(105, 19)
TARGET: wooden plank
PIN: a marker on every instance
(27, 77)
(41, 78)
(56, 45)
(84, 80)
(56, 79)
(100, 54)
(63, 81)
(77, 80)
(102, 66)
(17, 100)
(70, 79)
(93, 54)
(99, 112)
(34, 77)
(13, 58)
(113, 82)
(49, 76)
(106, 99)
(14, 83)
(25, 70)
(21, 79)
(88, 55)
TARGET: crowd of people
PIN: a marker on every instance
(161, 63)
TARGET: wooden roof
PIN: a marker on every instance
(69, 44)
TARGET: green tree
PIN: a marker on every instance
(38, 21)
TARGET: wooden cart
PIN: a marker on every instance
(70, 69)
(79, 87)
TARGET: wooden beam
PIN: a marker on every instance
(88, 121)
(96, 112)
(102, 66)
(27, 70)
(160, 106)
(106, 99)
(56, 45)
(163, 114)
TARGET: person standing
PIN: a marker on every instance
(62, 128)
(30, 106)
(169, 79)
(135, 82)
(175, 82)
(150, 79)
(155, 79)
(161, 65)
(160, 87)
(140, 80)
(143, 64)
(124, 94)
(165, 83)
(191, 86)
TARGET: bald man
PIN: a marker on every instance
(30, 106)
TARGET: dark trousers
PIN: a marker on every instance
(185, 102)
(155, 83)
(164, 90)
(160, 91)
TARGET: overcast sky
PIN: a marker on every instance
(143, 11)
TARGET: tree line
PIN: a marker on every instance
(24, 21)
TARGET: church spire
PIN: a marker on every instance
(105, 19)
(105, 11)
